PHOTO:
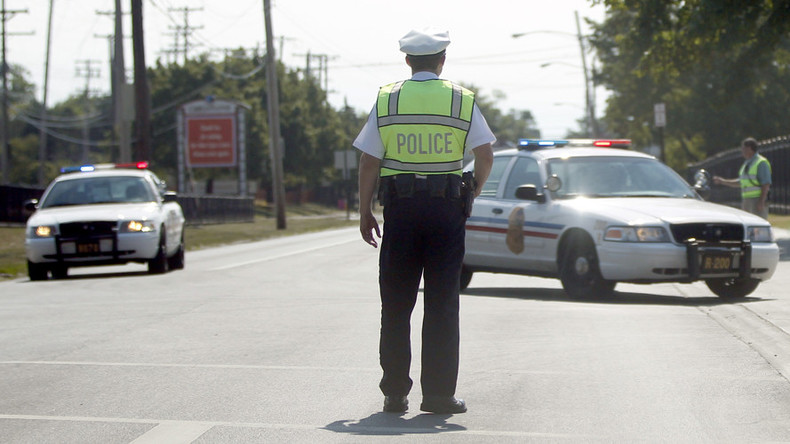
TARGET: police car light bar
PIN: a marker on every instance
(540, 143)
(139, 165)
(104, 166)
(617, 143)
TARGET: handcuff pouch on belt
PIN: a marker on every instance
(468, 189)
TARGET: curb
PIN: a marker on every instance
(783, 240)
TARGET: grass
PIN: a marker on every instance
(299, 219)
(780, 221)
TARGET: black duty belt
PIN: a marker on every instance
(400, 186)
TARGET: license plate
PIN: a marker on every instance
(88, 248)
(712, 263)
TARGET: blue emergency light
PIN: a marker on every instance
(540, 143)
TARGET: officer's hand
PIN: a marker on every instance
(368, 223)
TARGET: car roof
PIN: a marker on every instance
(555, 153)
(124, 172)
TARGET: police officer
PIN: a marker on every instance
(754, 179)
(413, 143)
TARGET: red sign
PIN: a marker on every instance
(211, 141)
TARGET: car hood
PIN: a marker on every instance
(95, 212)
(642, 211)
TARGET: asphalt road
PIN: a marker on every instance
(277, 341)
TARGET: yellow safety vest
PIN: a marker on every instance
(750, 186)
(423, 125)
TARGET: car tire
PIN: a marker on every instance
(732, 288)
(176, 262)
(579, 273)
(37, 272)
(60, 272)
(158, 264)
(466, 277)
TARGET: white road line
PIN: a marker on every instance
(174, 433)
(179, 431)
(279, 256)
(209, 366)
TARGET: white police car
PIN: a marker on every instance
(593, 215)
(104, 215)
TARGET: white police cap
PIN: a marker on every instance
(424, 42)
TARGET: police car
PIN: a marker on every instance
(104, 215)
(593, 214)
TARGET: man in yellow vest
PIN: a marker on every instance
(413, 144)
(754, 180)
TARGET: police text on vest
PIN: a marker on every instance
(431, 143)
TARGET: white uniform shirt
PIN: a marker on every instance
(369, 138)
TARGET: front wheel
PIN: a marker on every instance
(158, 264)
(176, 262)
(732, 288)
(60, 272)
(579, 272)
(37, 272)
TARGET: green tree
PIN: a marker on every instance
(721, 68)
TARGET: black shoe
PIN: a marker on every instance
(396, 404)
(442, 404)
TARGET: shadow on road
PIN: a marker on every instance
(98, 275)
(390, 424)
(622, 298)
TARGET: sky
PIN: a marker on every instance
(540, 71)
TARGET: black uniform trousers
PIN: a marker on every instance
(422, 235)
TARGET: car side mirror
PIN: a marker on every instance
(702, 181)
(31, 205)
(170, 196)
(530, 192)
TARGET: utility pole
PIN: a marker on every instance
(323, 68)
(173, 51)
(273, 102)
(88, 72)
(6, 155)
(118, 85)
(42, 140)
(592, 125)
(185, 30)
(141, 91)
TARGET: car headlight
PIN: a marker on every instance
(761, 234)
(42, 231)
(137, 226)
(636, 234)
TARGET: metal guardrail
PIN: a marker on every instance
(728, 164)
(12, 202)
(207, 209)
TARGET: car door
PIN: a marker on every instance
(516, 244)
(485, 217)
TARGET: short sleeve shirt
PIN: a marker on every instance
(369, 139)
(764, 173)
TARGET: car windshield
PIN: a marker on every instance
(98, 190)
(617, 177)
